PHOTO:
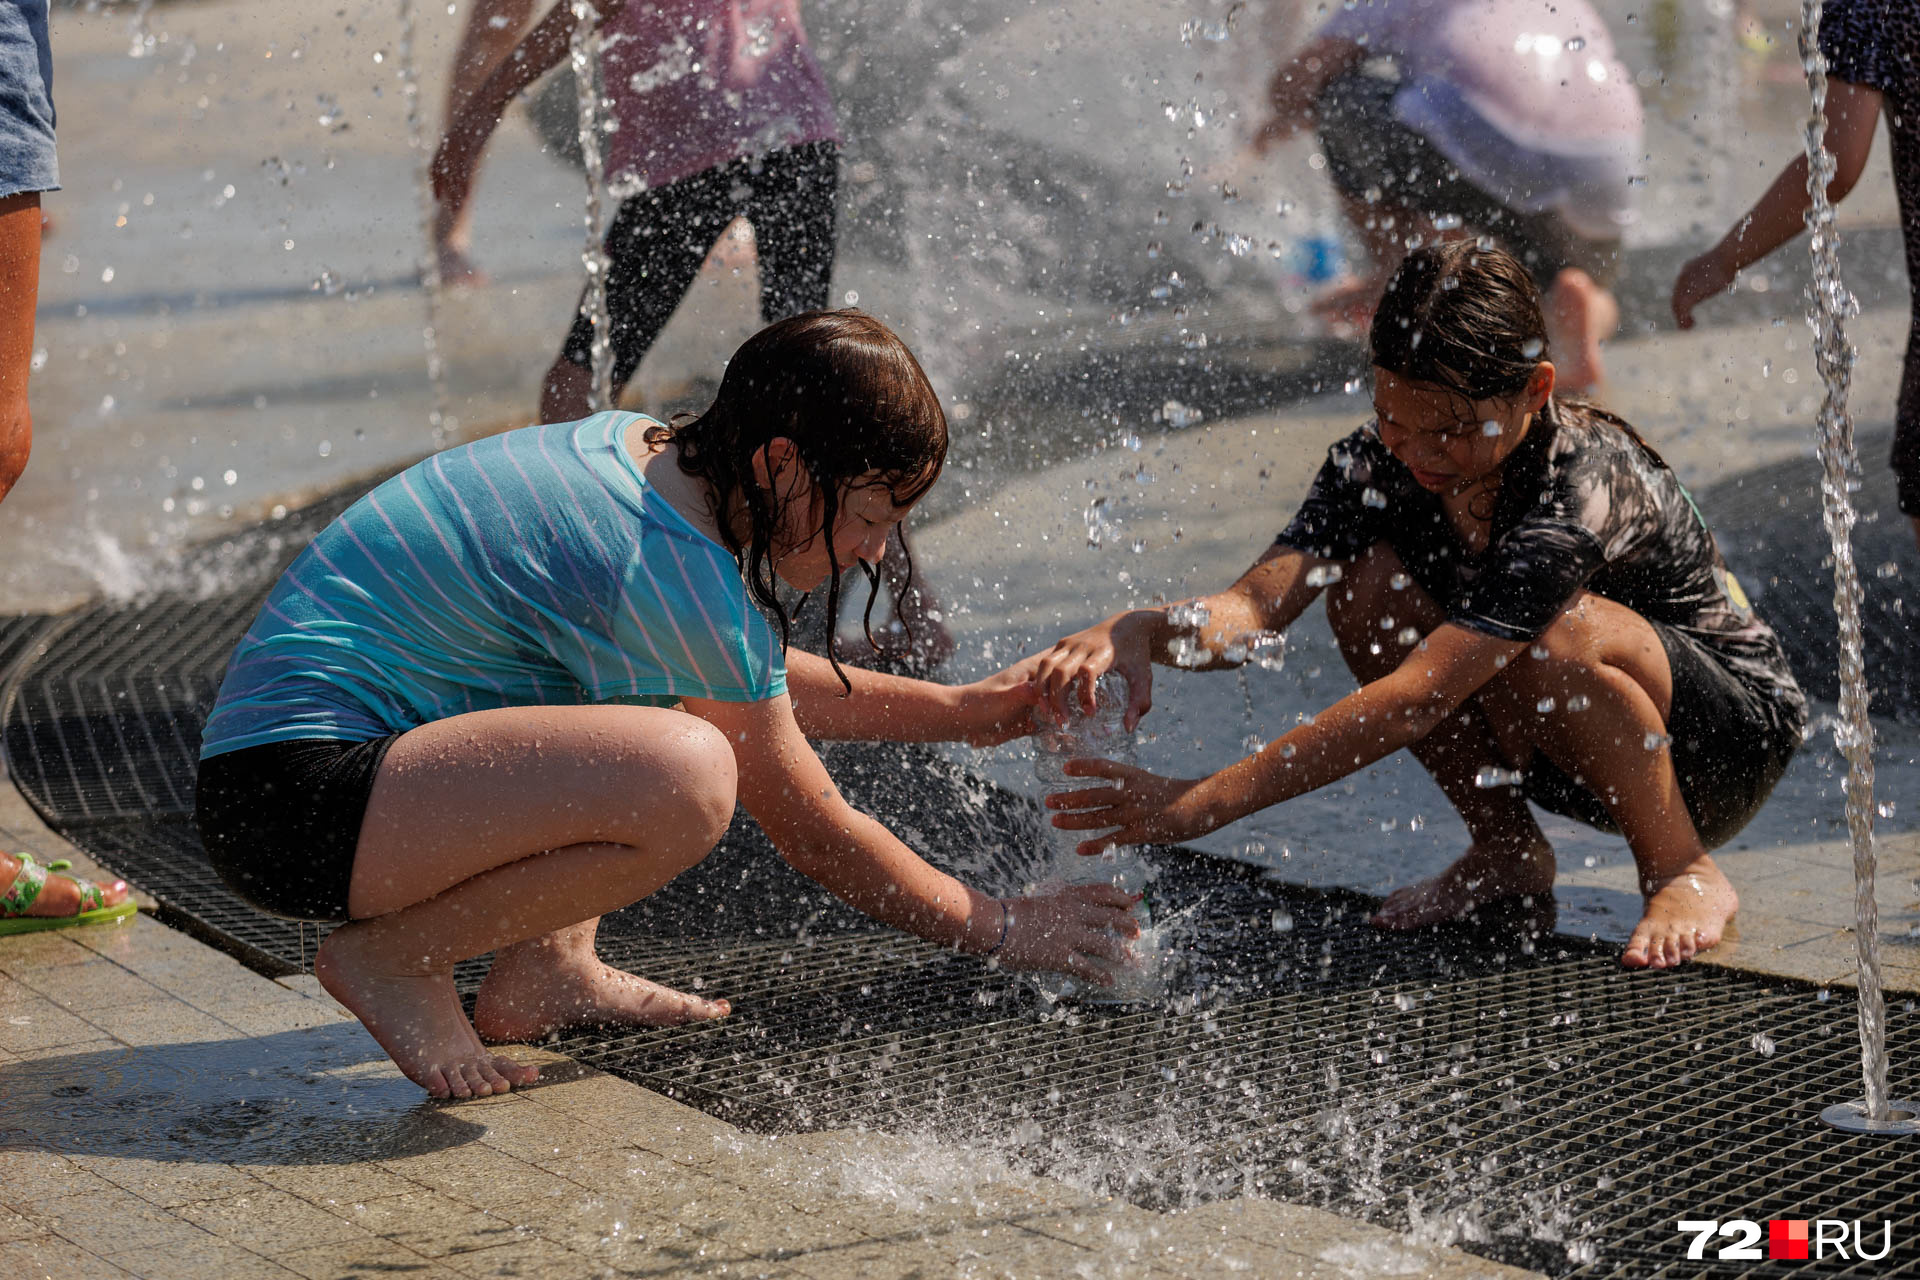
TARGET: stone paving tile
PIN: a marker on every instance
(113, 1222)
(46, 950)
(31, 1178)
(170, 1183)
(370, 1259)
(477, 1174)
(28, 1020)
(519, 1125)
(162, 1022)
(292, 1014)
(532, 1257)
(208, 1259)
(48, 1257)
(667, 1187)
(270, 1222)
(81, 987)
(427, 1223)
(332, 1184)
(15, 1226)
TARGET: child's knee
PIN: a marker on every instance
(683, 797)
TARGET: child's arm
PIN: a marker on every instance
(887, 708)
(784, 786)
(1780, 214)
(1373, 722)
(458, 156)
(1298, 84)
(1268, 597)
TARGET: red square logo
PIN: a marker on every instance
(1787, 1238)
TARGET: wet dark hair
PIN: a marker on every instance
(856, 404)
(1462, 317)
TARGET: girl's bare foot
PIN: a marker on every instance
(532, 993)
(1580, 316)
(416, 1018)
(1686, 914)
(1479, 876)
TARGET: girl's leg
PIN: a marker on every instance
(1580, 315)
(493, 29)
(792, 210)
(1509, 855)
(19, 292)
(655, 247)
(1606, 659)
(496, 828)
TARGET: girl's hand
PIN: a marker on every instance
(999, 708)
(1081, 929)
(1141, 807)
(1703, 277)
(1122, 643)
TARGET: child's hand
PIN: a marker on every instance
(1081, 929)
(1122, 643)
(1141, 807)
(1703, 277)
(999, 708)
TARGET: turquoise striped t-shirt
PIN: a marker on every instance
(535, 567)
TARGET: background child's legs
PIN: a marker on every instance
(495, 828)
(792, 208)
(19, 292)
(654, 248)
(1906, 430)
(493, 29)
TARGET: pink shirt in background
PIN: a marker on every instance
(697, 83)
(1486, 80)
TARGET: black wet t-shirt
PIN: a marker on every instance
(1583, 505)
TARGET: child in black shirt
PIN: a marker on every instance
(1527, 596)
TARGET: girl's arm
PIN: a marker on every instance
(1268, 597)
(887, 708)
(785, 787)
(1298, 84)
(1780, 214)
(458, 156)
(1395, 711)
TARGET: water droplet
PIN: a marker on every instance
(1576, 43)
(1887, 570)
(1286, 751)
(1579, 702)
(1532, 347)
(1282, 920)
(1447, 222)
(1323, 575)
(1543, 706)
(1409, 636)
(1494, 776)
(1399, 581)
(1762, 1044)
(1175, 414)
(1538, 652)
(1490, 428)
(1372, 497)
(1655, 741)
(1405, 1002)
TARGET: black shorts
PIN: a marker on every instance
(1368, 148)
(281, 821)
(1730, 744)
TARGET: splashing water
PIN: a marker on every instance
(583, 55)
(1830, 304)
(431, 284)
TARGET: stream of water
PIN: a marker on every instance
(1830, 307)
(432, 286)
(583, 52)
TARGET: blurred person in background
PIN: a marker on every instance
(1513, 119)
(1873, 69)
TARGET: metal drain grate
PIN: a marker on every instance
(1516, 1090)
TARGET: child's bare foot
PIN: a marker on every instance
(1581, 314)
(1479, 876)
(530, 995)
(1686, 914)
(416, 1018)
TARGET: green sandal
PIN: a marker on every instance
(26, 887)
